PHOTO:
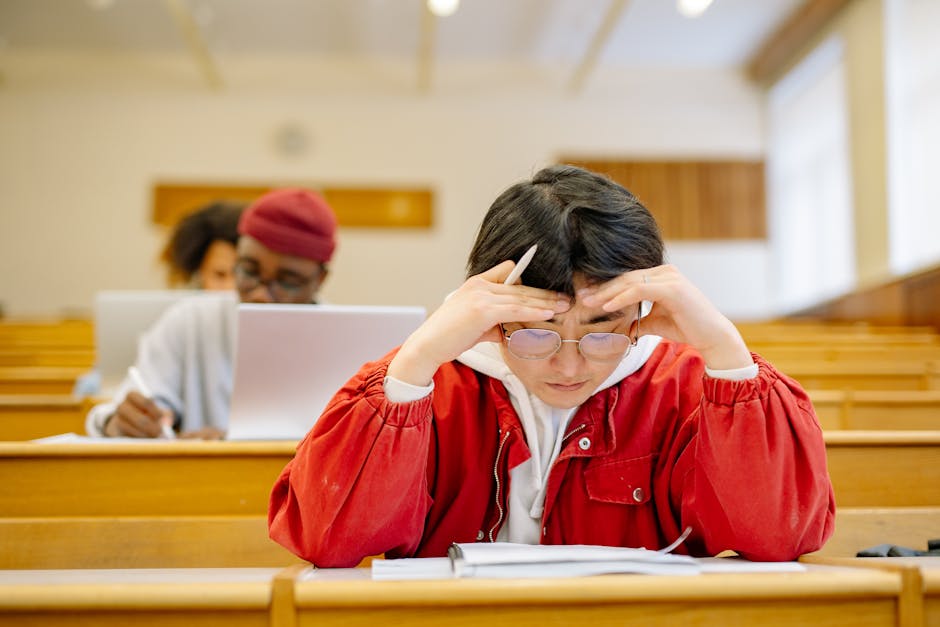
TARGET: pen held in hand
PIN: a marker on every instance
(521, 265)
(138, 381)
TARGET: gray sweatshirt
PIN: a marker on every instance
(186, 360)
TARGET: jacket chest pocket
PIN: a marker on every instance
(625, 482)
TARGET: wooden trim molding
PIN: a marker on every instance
(365, 207)
(780, 48)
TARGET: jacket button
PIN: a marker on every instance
(480, 535)
(584, 443)
(638, 495)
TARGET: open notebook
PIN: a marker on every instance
(121, 317)
(291, 360)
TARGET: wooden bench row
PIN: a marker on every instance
(877, 410)
(28, 417)
(47, 334)
(858, 593)
(823, 375)
(241, 541)
(181, 478)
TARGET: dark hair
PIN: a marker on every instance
(583, 222)
(194, 234)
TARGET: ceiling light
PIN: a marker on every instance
(100, 5)
(692, 8)
(443, 8)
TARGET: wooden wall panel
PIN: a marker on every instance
(354, 206)
(908, 300)
(695, 200)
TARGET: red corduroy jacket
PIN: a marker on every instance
(741, 462)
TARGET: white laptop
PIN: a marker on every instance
(291, 360)
(121, 317)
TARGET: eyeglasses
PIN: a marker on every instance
(543, 343)
(281, 289)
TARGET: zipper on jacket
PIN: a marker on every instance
(499, 505)
(572, 432)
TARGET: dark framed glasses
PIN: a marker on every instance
(543, 343)
(281, 288)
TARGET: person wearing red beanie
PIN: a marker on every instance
(286, 239)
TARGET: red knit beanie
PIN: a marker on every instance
(293, 222)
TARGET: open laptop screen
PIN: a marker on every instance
(121, 317)
(291, 360)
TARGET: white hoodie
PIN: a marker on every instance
(544, 428)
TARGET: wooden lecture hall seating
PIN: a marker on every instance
(175, 533)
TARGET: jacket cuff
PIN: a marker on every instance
(396, 413)
(724, 391)
(397, 391)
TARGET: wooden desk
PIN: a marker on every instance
(39, 416)
(827, 375)
(38, 380)
(55, 357)
(140, 542)
(148, 478)
(884, 468)
(821, 596)
(921, 577)
(860, 528)
(865, 353)
(47, 334)
(105, 598)
(158, 478)
(917, 410)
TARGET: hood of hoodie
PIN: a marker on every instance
(487, 358)
(543, 426)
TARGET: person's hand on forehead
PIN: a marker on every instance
(470, 315)
(680, 313)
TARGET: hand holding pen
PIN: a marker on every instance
(138, 415)
(472, 314)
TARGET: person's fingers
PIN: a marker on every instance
(144, 404)
(498, 273)
(134, 422)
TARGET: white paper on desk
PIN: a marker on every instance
(64, 438)
(412, 568)
(738, 565)
(506, 559)
(509, 560)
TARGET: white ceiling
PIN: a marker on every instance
(544, 33)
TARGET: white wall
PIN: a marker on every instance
(83, 143)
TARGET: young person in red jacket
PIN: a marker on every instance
(547, 411)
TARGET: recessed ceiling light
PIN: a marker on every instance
(692, 8)
(443, 8)
(100, 5)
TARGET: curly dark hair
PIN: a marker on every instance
(217, 221)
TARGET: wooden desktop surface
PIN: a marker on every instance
(298, 596)
(820, 596)
(920, 579)
(141, 597)
(151, 478)
(26, 417)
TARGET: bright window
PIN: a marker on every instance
(809, 193)
(913, 82)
